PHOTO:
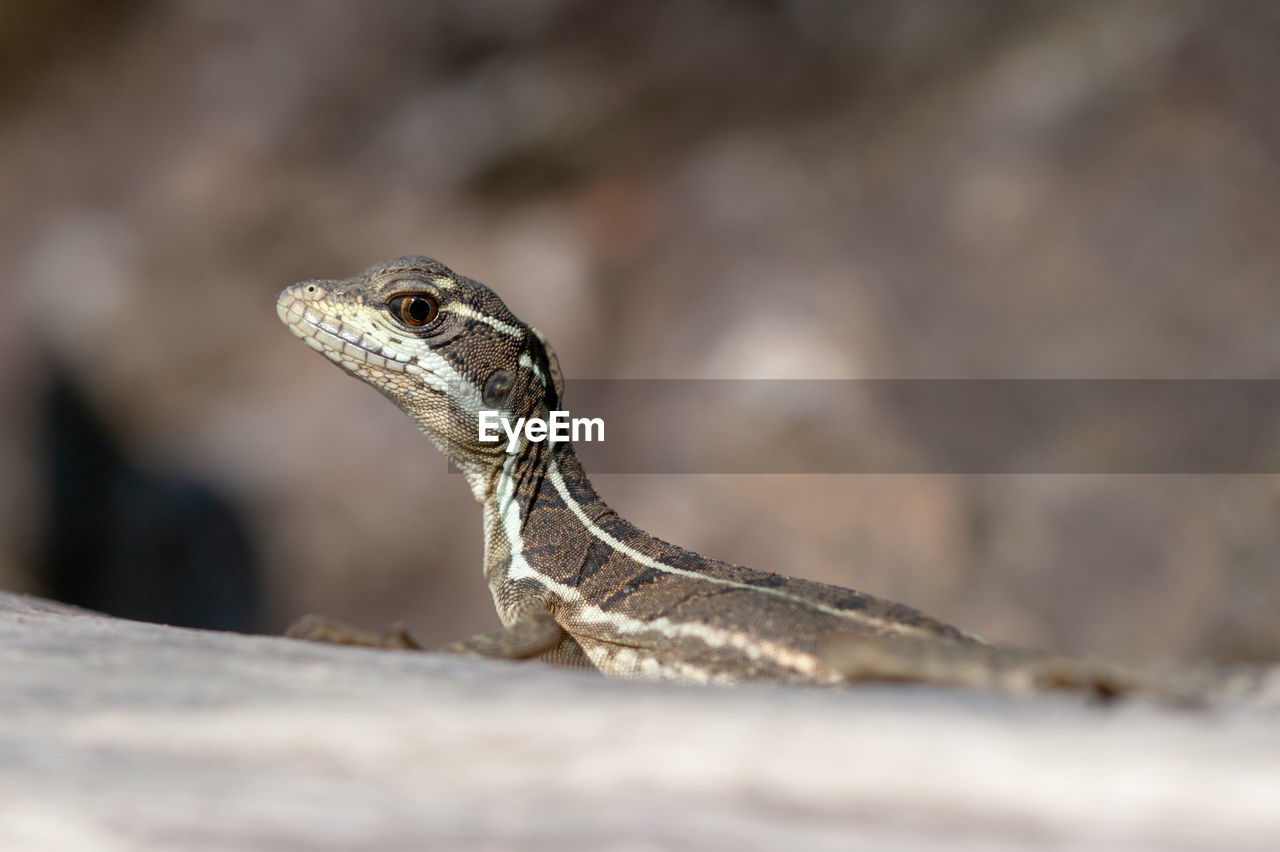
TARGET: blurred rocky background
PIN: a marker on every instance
(673, 189)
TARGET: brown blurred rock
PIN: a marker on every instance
(872, 189)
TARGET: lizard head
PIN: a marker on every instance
(441, 346)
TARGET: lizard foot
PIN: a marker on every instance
(319, 628)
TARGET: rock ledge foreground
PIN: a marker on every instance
(117, 735)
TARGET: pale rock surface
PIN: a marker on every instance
(118, 735)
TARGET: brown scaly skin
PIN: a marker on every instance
(576, 584)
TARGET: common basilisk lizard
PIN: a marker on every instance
(576, 584)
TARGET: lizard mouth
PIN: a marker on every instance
(334, 340)
(315, 330)
(379, 363)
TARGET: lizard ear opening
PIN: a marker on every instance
(545, 357)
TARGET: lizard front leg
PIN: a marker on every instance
(533, 633)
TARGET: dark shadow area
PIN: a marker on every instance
(151, 545)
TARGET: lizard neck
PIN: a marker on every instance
(545, 526)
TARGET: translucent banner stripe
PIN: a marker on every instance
(950, 426)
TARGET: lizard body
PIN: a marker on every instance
(573, 582)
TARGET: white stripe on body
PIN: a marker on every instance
(624, 625)
(553, 474)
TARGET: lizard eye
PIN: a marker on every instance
(414, 309)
